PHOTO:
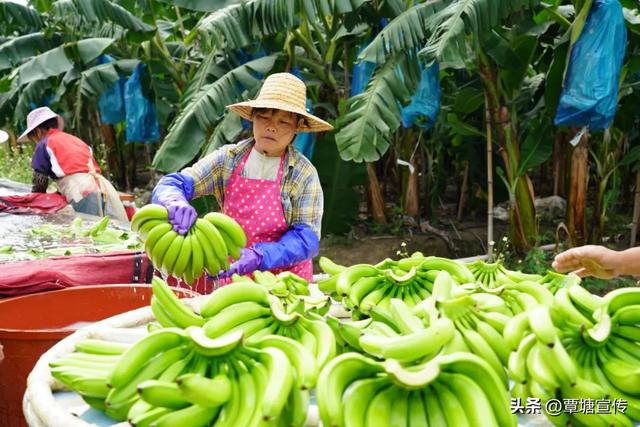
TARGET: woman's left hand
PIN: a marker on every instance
(249, 261)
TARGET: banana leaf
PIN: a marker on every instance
(18, 49)
(59, 60)
(15, 16)
(190, 129)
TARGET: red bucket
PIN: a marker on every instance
(31, 324)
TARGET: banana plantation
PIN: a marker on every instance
(211, 301)
(480, 133)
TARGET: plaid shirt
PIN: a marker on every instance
(301, 193)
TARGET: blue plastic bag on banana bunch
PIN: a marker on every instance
(590, 91)
(425, 103)
(141, 119)
(305, 142)
(111, 102)
(362, 72)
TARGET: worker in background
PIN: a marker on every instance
(69, 162)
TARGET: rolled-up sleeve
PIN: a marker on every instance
(41, 161)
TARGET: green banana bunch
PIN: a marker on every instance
(486, 273)
(168, 308)
(362, 287)
(479, 319)
(181, 374)
(577, 348)
(459, 389)
(249, 307)
(207, 246)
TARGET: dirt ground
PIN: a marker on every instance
(468, 239)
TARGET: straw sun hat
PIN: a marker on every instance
(282, 91)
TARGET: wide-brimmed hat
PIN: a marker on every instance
(38, 116)
(282, 91)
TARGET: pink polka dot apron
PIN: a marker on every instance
(257, 206)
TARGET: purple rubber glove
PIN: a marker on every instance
(249, 261)
(181, 215)
(173, 191)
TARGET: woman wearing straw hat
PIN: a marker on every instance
(263, 182)
(69, 162)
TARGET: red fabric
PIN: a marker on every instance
(27, 277)
(32, 203)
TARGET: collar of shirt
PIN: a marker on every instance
(243, 148)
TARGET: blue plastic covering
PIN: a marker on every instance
(111, 102)
(296, 245)
(305, 142)
(172, 187)
(590, 91)
(142, 121)
(362, 72)
(425, 103)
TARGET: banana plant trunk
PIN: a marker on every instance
(463, 190)
(489, 129)
(636, 212)
(112, 154)
(410, 177)
(558, 164)
(577, 201)
(376, 201)
(523, 227)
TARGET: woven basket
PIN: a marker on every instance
(39, 406)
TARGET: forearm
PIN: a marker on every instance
(627, 262)
(39, 182)
(172, 187)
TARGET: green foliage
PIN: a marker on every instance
(202, 5)
(204, 111)
(59, 60)
(18, 17)
(16, 164)
(450, 26)
(226, 132)
(370, 118)
(103, 11)
(13, 52)
(537, 146)
(404, 33)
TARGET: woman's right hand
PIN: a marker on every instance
(589, 260)
(181, 215)
(172, 192)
